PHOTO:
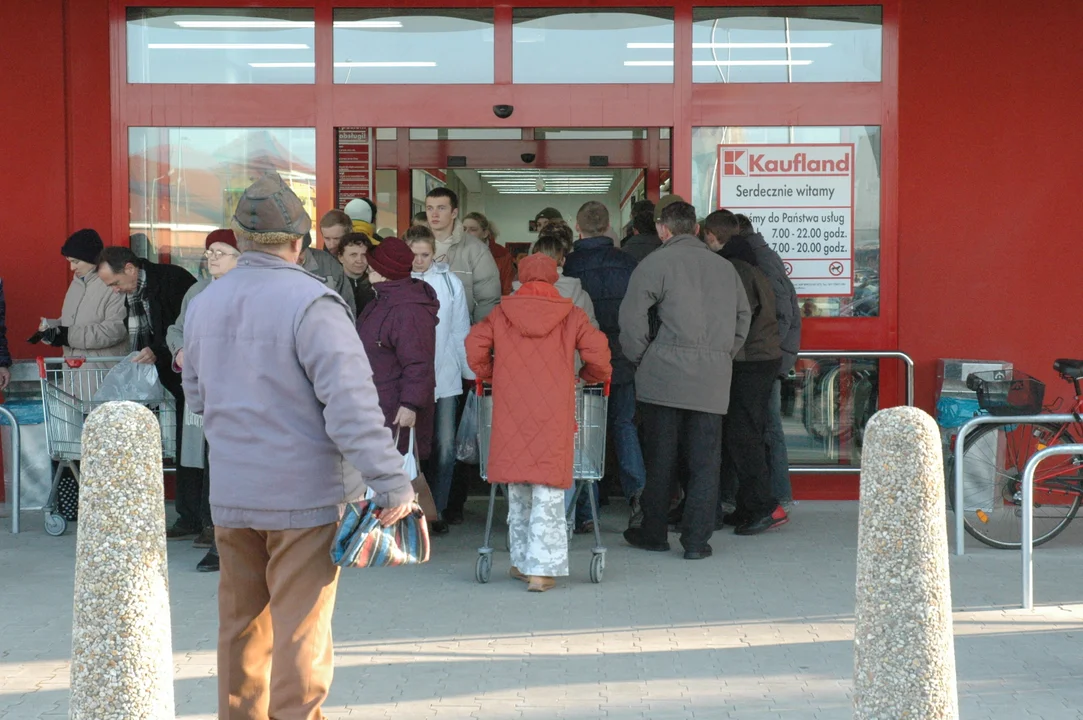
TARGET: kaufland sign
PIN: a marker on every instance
(801, 199)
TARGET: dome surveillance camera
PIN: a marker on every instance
(527, 157)
(503, 111)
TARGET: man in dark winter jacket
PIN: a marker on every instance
(755, 368)
(644, 239)
(789, 331)
(153, 295)
(604, 272)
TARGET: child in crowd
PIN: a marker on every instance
(526, 348)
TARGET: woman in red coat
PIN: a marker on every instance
(398, 329)
(526, 348)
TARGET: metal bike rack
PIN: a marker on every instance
(960, 445)
(856, 355)
(1028, 515)
(16, 470)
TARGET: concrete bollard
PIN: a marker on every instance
(904, 656)
(122, 659)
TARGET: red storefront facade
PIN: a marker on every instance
(975, 166)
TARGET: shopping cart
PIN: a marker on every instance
(588, 467)
(67, 390)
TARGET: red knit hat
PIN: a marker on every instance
(392, 258)
(222, 236)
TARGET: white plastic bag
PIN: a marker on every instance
(135, 382)
(466, 438)
(409, 460)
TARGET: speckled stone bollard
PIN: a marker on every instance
(121, 657)
(904, 657)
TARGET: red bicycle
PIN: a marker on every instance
(995, 457)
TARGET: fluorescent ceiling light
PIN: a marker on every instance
(281, 24)
(715, 63)
(734, 46)
(392, 64)
(228, 46)
(343, 64)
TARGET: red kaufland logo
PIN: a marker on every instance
(735, 163)
(796, 164)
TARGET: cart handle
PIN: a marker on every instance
(480, 386)
(72, 362)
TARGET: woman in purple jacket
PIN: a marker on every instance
(398, 330)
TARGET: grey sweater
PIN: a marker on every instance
(275, 366)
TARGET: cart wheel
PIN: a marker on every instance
(55, 524)
(483, 568)
(597, 568)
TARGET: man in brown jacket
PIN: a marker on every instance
(683, 320)
(755, 367)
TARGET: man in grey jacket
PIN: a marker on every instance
(328, 269)
(468, 257)
(789, 329)
(684, 318)
(292, 418)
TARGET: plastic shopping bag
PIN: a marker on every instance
(422, 491)
(135, 382)
(466, 439)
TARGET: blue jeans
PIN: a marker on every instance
(778, 458)
(442, 460)
(622, 428)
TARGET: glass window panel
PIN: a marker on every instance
(466, 134)
(791, 44)
(865, 300)
(185, 182)
(228, 45)
(588, 46)
(404, 46)
(590, 134)
(825, 407)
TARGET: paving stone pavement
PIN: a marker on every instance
(762, 630)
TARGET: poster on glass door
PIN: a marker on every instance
(356, 161)
(801, 199)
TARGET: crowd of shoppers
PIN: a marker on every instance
(374, 340)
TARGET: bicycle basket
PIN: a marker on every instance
(1007, 392)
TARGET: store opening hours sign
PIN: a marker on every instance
(801, 199)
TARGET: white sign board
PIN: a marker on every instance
(801, 199)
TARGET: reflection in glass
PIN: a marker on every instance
(825, 407)
(865, 301)
(584, 46)
(791, 44)
(411, 46)
(185, 182)
(221, 46)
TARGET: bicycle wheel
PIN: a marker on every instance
(993, 480)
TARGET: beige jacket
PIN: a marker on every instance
(96, 319)
(473, 262)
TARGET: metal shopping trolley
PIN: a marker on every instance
(67, 390)
(589, 467)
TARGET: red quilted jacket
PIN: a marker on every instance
(526, 349)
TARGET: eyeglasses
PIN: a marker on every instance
(215, 254)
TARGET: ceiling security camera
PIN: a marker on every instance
(527, 157)
(503, 111)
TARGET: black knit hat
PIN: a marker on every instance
(83, 245)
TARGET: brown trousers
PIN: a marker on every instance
(276, 595)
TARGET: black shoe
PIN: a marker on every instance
(777, 518)
(205, 539)
(453, 516)
(177, 531)
(584, 528)
(634, 537)
(698, 553)
(209, 563)
(439, 527)
(733, 519)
